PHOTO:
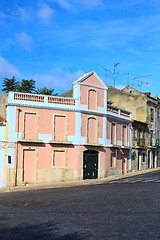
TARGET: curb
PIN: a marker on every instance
(75, 183)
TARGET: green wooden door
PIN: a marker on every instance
(90, 164)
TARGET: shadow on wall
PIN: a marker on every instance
(44, 231)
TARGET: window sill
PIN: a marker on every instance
(30, 140)
(151, 146)
(114, 145)
(60, 142)
(144, 147)
(56, 167)
(93, 144)
(126, 147)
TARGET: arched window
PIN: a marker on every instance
(92, 99)
(92, 130)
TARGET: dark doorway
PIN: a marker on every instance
(139, 161)
(149, 159)
(154, 159)
(90, 164)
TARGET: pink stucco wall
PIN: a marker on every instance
(92, 80)
(119, 124)
(85, 95)
(45, 156)
(99, 125)
(60, 124)
(45, 120)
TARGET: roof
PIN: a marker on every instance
(85, 76)
(68, 94)
(131, 90)
(2, 119)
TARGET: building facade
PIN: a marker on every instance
(50, 138)
(145, 131)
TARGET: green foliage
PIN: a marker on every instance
(46, 91)
(9, 84)
(26, 86)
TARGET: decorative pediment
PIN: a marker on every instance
(91, 79)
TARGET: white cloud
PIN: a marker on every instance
(24, 40)
(2, 15)
(91, 4)
(8, 69)
(57, 79)
(120, 86)
(63, 3)
(79, 4)
(45, 13)
(25, 13)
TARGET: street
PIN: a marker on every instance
(127, 209)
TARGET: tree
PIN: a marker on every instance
(46, 91)
(9, 84)
(26, 86)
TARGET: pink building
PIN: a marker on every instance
(53, 138)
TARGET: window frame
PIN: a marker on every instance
(66, 126)
(53, 157)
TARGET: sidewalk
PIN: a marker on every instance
(75, 183)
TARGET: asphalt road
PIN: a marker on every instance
(128, 209)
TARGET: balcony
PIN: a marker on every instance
(28, 97)
(40, 99)
(141, 143)
(118, 111)
(60, 100)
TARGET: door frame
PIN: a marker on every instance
(139, 162)
(124, 164)
(98, 162)
(35, 162)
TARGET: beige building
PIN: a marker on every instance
(145, 127)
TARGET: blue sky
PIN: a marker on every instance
(56, 41)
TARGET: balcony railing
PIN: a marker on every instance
(28, 97)
(59, 100)
(141, 142)
(44, 99)
(119, 111)
(125, 113)
(112, 109)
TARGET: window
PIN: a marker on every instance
(134, 133)
(151, 137)
(143, 134)
(92, 99)
(92, 130)
(143, 157)
(60, 128)
(152, 114)
(59, 158)
(138, 135)
(158, 113)
(113, 133)
(30, 125)
(113, 159)
(124, 136)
